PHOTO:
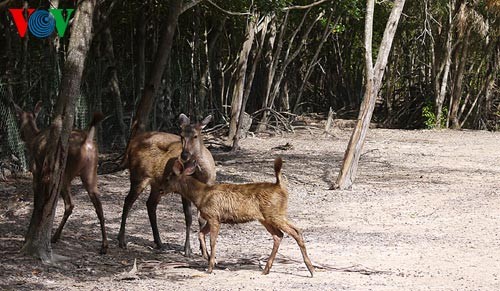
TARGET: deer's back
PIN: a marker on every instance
(149, 152)
(239, 203)
(80, 152)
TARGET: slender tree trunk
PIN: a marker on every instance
(493, 70)
(239, 84)
(272, 60)
(141, 117)
(457, 88)
(47, 177)
(287, 60)
(312, 64)
(140, 50)
(374, 77)
(447, 64)
(248, 87)
(206, 78)
(25, 57)
(114, 85)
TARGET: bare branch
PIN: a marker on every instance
(305, 6)
(189, 5)
(228, 12)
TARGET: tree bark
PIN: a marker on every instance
(48, 174)
(374, 77)
(141, 117)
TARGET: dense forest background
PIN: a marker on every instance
(275, 60)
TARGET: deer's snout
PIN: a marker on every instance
(184, 156)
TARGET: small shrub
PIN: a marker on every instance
(430, 117)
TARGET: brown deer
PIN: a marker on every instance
(146, 158)
(82, 161)
(237, 203)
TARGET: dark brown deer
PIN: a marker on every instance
(146, 158)
(237, 203)
(82, 161)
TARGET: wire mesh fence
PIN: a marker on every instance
(12, 153)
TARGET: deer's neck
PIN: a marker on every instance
(193, 190)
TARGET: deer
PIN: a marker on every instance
(236, 203)
(146, 158)
(82, 161)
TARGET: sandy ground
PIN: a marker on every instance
(424, 214)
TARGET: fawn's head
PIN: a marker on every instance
(175, 174)
(27, 121)
(191, 137)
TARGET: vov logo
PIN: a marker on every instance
(41, 23)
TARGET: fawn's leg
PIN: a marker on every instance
(277, 237)
(89, 180)
(68, 209)
(294, 232)
(201, 237)
(214, 232)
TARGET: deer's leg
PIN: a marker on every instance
(152, 204)
(68, 209)
(89, 180)
(202, 223)
(294, 232)
(277, 237)
(136, 188)
(214, 232)
(201, 237)
(186, 206)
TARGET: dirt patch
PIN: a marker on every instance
(424, 214)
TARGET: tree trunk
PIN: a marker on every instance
(447, 63)
(457, 88)
(140, 50)
(248, 86)
(113, 83)
(141, 117)
(313, 63)
(239, 84)
(287, 60)
(48, 174)
(272, 60)
(374, 77)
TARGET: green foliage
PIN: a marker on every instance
(430, 117)
(339, 28)
(353, 8)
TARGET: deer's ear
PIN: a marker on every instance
(38, 108)
(206, 121)
(184, 120)
(178, 167)
(19, 111)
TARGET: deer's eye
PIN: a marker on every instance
(195, 136)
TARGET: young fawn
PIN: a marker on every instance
(146, 157)
(82, 161)
(237, 203)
